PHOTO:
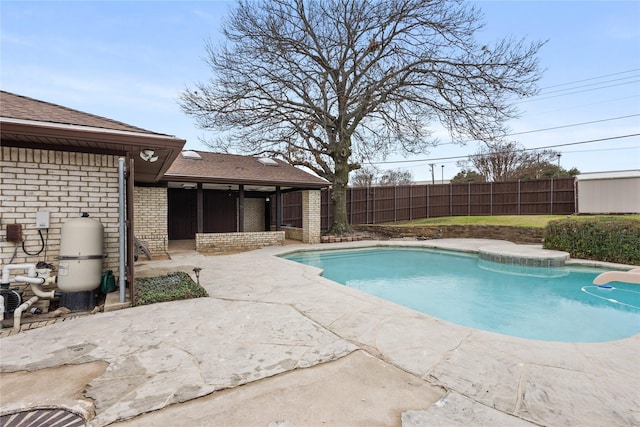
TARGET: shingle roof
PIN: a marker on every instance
(231, 168)
(31, 123)
(24, 108)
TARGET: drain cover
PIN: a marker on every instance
(42, 417)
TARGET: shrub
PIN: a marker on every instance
(610, 239)
(174, 286)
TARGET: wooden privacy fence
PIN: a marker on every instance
(380, 204)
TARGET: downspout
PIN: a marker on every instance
(122, 250)
(1, 310)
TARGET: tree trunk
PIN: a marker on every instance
(339, 193)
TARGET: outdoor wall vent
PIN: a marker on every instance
(267, 161)
(190, 154)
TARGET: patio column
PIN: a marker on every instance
(241, 208)
(311, 216)
(200, 208)
(278, 209)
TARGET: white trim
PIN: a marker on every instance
(92, 129)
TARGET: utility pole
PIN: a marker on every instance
(558, 172)
(442, 176)
(433, 179)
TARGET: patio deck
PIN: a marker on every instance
(276, 344)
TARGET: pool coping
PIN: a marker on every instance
(604, 355)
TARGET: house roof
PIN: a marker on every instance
(220, 170)
(28, 122)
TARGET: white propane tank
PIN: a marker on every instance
(81, 257)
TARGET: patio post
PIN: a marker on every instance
(311, 216)
(278, 209)
(241, 208)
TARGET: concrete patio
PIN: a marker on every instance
(276, 344)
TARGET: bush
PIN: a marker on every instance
(610, 239)
(174, 286)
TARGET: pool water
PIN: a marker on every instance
(551, 304)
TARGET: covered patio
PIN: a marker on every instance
(227, 202)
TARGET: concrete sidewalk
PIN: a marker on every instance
(275, 344)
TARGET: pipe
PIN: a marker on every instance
(122, 229)
(32, 279)
(17, 314)
(29, 280)
(6, 270)
(631, 276)
(38, 291)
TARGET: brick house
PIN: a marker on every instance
(65, 162)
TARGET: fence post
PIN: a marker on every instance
(410, 202)
(366, 206)
(395, 203)
(551, 196)
(351, 205)
(373, 205)
(329, 210)
(469, 199)
(427, 197)
(491, 199)
(518, 197)
(450, 200)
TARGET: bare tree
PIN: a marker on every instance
(329, 84)
(363, 177)
(396, 177)
(509, 160)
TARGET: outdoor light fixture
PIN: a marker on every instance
(148, 155)
(197, 271)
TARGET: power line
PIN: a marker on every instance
(601, 149)
(592, 78)
(551, 128)
(582, 105)
(524, 149)
(539, 98)
(575, 124)
(592, 84)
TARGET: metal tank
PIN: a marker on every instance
(81, 254)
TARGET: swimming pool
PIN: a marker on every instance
(551, 304)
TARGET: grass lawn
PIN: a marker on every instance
(539, 221)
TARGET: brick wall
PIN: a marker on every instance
(150, 218)
(311, 216)
(253, 215)
(64, 184)
(293, 233)
(207, 242)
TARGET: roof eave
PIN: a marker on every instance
(222, 180)
(55, 136)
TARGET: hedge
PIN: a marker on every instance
(610, 239)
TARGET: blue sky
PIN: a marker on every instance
(129, 60)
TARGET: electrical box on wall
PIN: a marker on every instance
(14, 233)
(42, 219)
